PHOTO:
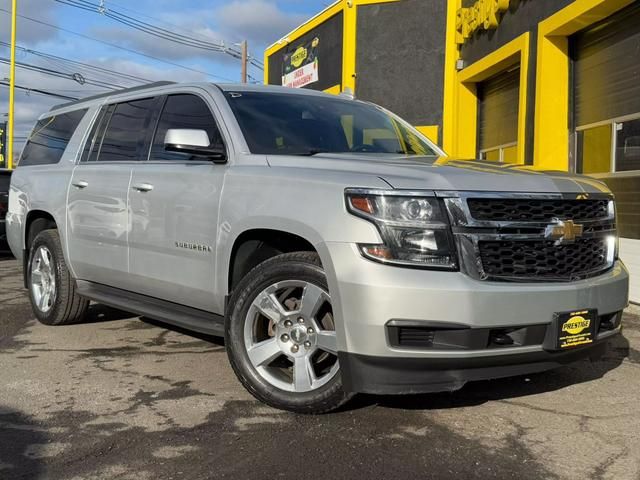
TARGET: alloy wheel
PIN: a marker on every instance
(290, 336)
(43, 279)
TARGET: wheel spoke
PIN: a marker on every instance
(264, 353)
(303, 375)
(327, 341)
(269, 306)
(36, 276)
(44, 300)
(312, 299)
(45, 258)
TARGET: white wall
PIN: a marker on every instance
(630, 255)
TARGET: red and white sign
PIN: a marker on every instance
(302, 76)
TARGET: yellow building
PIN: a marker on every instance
(554, 84)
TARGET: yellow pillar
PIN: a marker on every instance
(12, 84)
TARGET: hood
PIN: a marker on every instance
(430, 173)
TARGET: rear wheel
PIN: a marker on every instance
(281, 335)
(52, 290)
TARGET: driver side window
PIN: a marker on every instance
(183, 111)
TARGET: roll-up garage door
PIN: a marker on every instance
(498, 114)
(606, 116)
(606, 69)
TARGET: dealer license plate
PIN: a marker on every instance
(575, 328)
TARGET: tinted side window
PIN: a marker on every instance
(124, 137)
(95, 136)
(50, 138)
(183, 111)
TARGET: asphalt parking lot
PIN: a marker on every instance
(122, 397)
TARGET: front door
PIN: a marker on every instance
(97, 211)
(174, 201)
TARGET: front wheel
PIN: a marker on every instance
(281, 335)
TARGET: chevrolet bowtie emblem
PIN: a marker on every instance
(563, 232)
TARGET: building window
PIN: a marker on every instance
(610, 147)
(498, 108)
(503, 154)
(627, 138)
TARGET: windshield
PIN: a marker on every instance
(285, 124)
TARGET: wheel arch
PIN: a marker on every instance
(35, 222)
(255, 245)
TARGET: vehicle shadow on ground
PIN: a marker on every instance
(218, 341)
(98, 313)
(22, 444)
(478, 393)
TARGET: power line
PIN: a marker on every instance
(56, 73)
(157, 31)
(75, 63)
(113, 45)
(39, 92)
(172, 25)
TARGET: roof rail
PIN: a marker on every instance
(112, 92)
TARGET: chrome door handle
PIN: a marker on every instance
(80, 184)
(142, 187)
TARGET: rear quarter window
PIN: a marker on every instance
(50, 138)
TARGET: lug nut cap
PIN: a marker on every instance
(295, 348)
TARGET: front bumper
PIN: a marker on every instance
(397, 375)
(366, 296)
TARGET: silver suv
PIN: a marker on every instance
(334, 247)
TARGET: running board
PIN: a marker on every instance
(168, 312)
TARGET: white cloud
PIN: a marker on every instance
(259, 21)
(29, 106)
(29, 32)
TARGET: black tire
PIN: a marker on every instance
(299, 266)
(67, 307)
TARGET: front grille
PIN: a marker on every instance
(542, 259)
(536, 210)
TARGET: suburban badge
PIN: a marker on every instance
(194, 246)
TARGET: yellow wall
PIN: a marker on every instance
(349, 8)
(430, 131)
(551, 120)
(461, 101)
(550, 127)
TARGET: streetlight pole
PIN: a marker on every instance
(12, 85)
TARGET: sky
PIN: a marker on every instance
(260, 22)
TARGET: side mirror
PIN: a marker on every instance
(193, 142)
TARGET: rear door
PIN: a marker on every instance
(174, 199)
(97, 210)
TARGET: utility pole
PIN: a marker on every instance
(245, 59)
(12, 85)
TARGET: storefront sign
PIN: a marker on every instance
(3, 144)
(483, 15)
(300, 67)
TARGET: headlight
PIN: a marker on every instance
(414, 229)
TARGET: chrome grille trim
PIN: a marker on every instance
(469, 232)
